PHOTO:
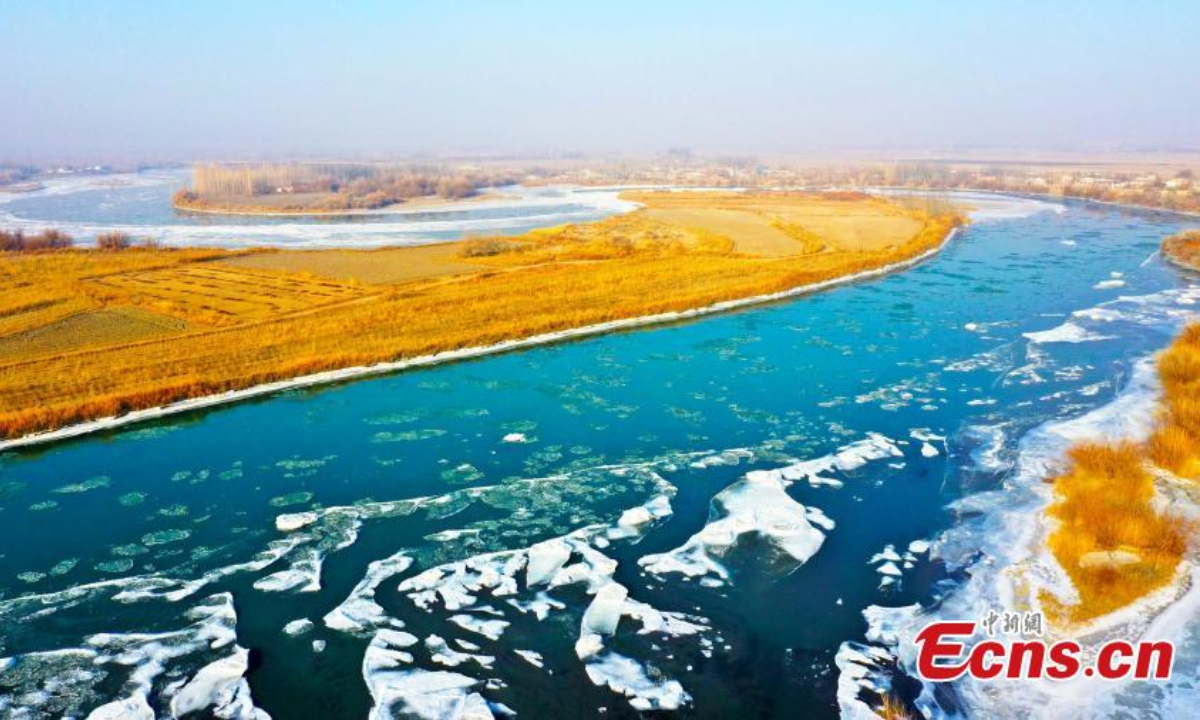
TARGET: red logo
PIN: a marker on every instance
(947, 653)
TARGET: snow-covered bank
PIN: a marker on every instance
(332, 376)
(1045, 198)
(1004, 551)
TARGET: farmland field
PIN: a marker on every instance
(224, 295)
(372, 267)
(94, 328)
(782, 224)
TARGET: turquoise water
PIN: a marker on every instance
(130, 560)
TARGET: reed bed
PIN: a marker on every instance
(543, 282)
(1111, 540)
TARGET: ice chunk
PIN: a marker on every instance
(633, 521)
(889, 568)
(634, 517)
(545, 558)
(294, 521)
(384, 650)
(1068, 332)
(440, 652)
(219, 687)
(627, 677)
(849, 457)
(918, 546)
(540, 606)
(514, 438)
(359, 612)
(298, 627)
(131, 708)
(756, 504)
(303, 576)
(424, 694)
(491, 629)
(665, 622)
(531, 657)
(888, 553)
(604, 613)
(819, 518)
(588, 645)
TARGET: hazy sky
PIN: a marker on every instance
(207, 78)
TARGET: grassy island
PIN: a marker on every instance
(314, 188)
(87, 334)
(1183, 249)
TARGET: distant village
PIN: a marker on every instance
(1171, 186)
(1176, 189)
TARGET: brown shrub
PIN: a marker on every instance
(113, 240)
(486, 247)
(12, 240)
(50, 239)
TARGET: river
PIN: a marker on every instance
(690, 517)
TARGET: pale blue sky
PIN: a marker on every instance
(158, 79)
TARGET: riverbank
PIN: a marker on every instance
(1008, 546)
(1037, 196)
(329, 377)
(248, 325)
(1183, 249)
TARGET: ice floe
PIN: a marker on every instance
(1068, 332)
(628, 677)
(197, 668)
(489, 628)
(440, 652)
(219, 688)
(359, 612)
(602, 616)
(757, 504)
(426, 694)
(298, 627)
(533, 658)
(635, 521)
(927, 439)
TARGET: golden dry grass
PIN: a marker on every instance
(374, 267)
(891, 708)
(91, 328)
(1110, 539)
(37, 289)
(1175, 443)
(751, 233)
(1183, 249)
(787, 223)
(217, 294)
(251, 323)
